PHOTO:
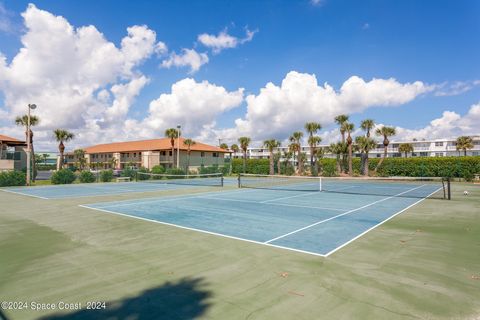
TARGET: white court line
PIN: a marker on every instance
(340, 215)
(295, 196)
(204, 231)
(273, 204)
(128, 202)
(380, 223)
(24, 194)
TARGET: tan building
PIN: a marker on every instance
(12, 153)
(149, 153)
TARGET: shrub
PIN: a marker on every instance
(175, 171)
(86, 177)
(212, 169)
(12, 178)
(142, 176)
(63, 176)
(128, 172)
(46, 167)
(158, 169)
(106, 175)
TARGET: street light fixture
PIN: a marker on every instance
(178, 146)
(29, 146)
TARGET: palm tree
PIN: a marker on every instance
(244, 142)
(44, 158)
(337, 149)
(405, 148)
(464, 143)
(367, 125)
(62, 136)
(224, 146)
(302, 157)
(23, 122)
(319, 153)
(385, 132)
(312, 128)
(271, 145)
(287, 155)
(340, 120)
(365, 144)
(80, 156)
(189, 143)
(172, 133)
(277, 158)
(348, 128)
(313, 142)
(295, 145)
(234, 147)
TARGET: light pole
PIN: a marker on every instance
(178, 146)
(29, 147)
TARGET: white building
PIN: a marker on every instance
(424, 148)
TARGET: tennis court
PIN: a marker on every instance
(282, 212)
(164, 183)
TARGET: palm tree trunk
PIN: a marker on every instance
(272, 170)
(350, 165)
(365, 170)
(61, 148)
(279, 163)
(311, 157)
(173, 156)
(244, 161)
(382, 159)
(339, 168)
(188, 162)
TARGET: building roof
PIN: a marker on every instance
(149, 145)
(11, 141)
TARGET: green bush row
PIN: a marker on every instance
(455, 167)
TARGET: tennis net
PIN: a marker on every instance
(413, 187)
(209, 179)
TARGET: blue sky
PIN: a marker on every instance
(434, 42)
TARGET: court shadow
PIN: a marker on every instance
(185, 299)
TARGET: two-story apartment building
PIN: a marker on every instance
(12, 153)
(149, 153)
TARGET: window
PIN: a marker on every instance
(438, 154)
(170, 153)
(423, 154)
(475, 153)
(215, 155)
(438, 144)
(202, 154)
(163, 153)
(134, 154)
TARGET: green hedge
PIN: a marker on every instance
(12, 178)
(86, 177)
(63, 176)
(455, 167)
(106, 175)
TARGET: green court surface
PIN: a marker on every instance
(422, 264)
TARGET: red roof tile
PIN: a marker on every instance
(149, 145)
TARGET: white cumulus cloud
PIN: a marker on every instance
(71, 73)
(279, 110)
(188, 58)
(194, 105)
(223, 40)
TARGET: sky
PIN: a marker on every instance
(127, 70)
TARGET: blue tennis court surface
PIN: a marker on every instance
(95, 189)
(312, 222)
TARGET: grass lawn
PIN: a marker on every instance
(424, 263)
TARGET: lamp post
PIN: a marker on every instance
(178, 146)
(29, 147)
